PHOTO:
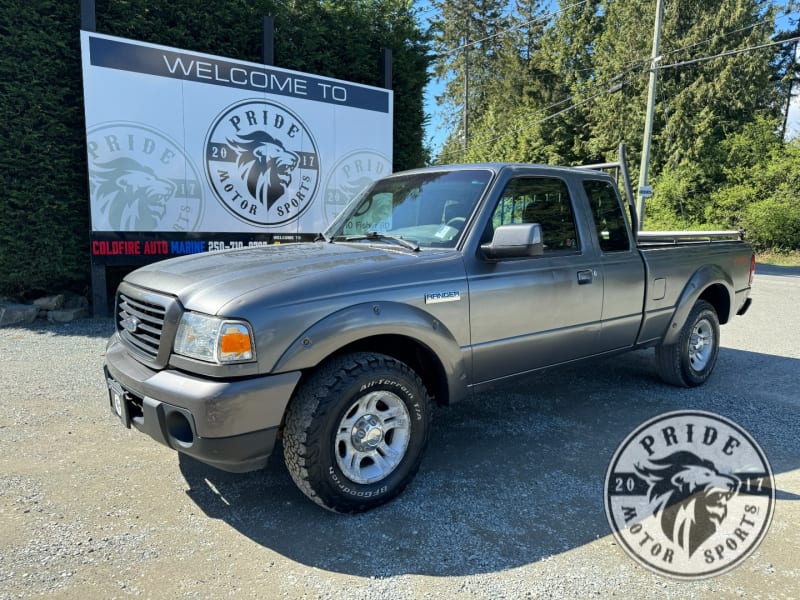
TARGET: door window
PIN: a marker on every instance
(540, 200)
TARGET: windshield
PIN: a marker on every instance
(429, 209)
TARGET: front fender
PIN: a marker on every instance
(702, 279)
(371, 319)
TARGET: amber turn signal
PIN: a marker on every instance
(235, 342)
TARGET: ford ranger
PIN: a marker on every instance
(430, 286)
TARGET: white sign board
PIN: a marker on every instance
(183, 142)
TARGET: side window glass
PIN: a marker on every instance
(540, 200)
(608, 217)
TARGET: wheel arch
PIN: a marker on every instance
(401, 331)
(709, 283)
(719, 297)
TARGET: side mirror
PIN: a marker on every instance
(515, 241)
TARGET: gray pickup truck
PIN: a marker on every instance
(431, 285)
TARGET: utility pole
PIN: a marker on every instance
(466, 84)
(794, 70)
(646, 191)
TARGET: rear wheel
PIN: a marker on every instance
(691, 359)
(356, 432)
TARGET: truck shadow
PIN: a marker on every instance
(510, 477)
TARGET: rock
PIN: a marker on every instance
(75, 301)
(65, 315)
(16, 314)
(50, 302)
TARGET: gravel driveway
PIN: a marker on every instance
(508, 502)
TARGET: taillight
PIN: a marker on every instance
(752, 269)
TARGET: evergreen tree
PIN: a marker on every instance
(699, 103)
(467, 40)
(538, 112)
(571, 89)
(570, 48)
(522, 87)
(762, 187)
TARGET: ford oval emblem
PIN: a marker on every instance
(130, 324)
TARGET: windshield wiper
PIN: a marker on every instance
(381, 237)
(321, 237)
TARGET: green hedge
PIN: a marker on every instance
(44, 211)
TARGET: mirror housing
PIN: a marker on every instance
(515, 241)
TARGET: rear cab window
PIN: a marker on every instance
(609, 220)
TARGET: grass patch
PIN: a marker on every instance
(787, 258)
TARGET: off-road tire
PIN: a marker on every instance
(681, 363)
(324, 408)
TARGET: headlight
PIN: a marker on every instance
(215, 340)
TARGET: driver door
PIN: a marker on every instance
(531, 312)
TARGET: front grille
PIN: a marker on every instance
(146, 323)
(140, 323)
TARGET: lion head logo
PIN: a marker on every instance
(690, 495)
(264, 164)
(130, 195)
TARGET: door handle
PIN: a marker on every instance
(585, 277)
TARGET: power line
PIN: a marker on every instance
(542, 17)
(614, 88)
(637, 62)
(546, 16)
(728, 53)
(630, 64)
(712, 38)
(643, 61)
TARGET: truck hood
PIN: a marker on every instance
(219, 282)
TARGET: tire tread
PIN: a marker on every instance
(670, 358)
(308, 413)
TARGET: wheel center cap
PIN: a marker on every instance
(698, 342)
(367, 433)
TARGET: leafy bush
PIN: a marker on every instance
(668, 208)
(759, 192)
(774, 223)
(763, 196)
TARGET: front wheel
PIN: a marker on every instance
(356, 432)
(689, 361)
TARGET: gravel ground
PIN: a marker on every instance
(508, 502)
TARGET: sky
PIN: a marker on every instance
(793, 124)
(435, 135)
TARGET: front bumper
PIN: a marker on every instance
(229, 424)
